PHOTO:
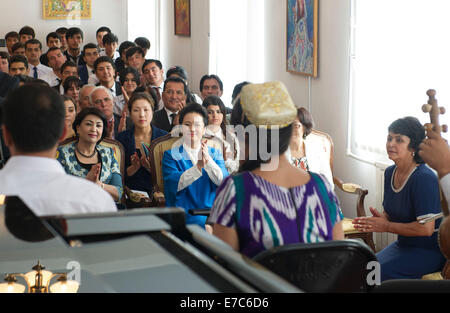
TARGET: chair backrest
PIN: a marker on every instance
(157, 149)
(323, 139)
(331, 266)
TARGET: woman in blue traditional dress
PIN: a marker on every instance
(272, 203)
(86, 158)
(192, 170)
(411, 190)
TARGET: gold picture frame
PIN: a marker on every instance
(302, 37)
(182, 17)
(66, 9)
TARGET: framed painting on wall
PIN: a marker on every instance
(66, 9)
(182, 17)
(302, 32)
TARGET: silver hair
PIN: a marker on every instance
(100, 88)
(86, 86)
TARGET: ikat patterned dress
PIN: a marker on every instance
(266, 215)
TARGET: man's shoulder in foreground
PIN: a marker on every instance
(47, 190)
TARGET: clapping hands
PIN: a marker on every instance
(94, 174)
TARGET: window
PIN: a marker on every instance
(399, 50)
(236, 42)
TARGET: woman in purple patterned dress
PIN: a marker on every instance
(263, 207)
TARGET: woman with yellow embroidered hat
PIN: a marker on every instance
(270, 202)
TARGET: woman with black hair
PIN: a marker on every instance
(217, 128)
(308, 151)
(86, 158)
(411, 190)
(192, 171)
(142, 133)
(72, 86)
(71, 112)
(270, 202)
(130, 80)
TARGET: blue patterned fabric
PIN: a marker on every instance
(110, 170)
(267, 215)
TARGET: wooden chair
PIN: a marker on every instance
(119, 155)
(350, 232)
(157, 149)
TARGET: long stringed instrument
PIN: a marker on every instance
(444, 229)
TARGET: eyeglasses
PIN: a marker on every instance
(100, 101)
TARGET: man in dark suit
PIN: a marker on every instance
(174, 98)
(90, 55)
(74, 37)
(7, 83)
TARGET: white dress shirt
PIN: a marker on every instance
(42, 70)
(51, 78)
(92, 78)
(191, 175)
(46, 189)
(116, 54)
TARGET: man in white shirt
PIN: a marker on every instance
(56, 59)
(33, 52)
(436, 153)
(32, 173)
(110, 42)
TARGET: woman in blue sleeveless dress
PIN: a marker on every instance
(410, 191)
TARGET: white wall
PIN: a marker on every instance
(17, 13)
(328, 94)
(190, 52)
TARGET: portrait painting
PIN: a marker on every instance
(182, 17)
(66, 9)
(302, 28)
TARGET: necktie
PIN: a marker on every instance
(158, 96)
(35, 74)
(172, 117)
